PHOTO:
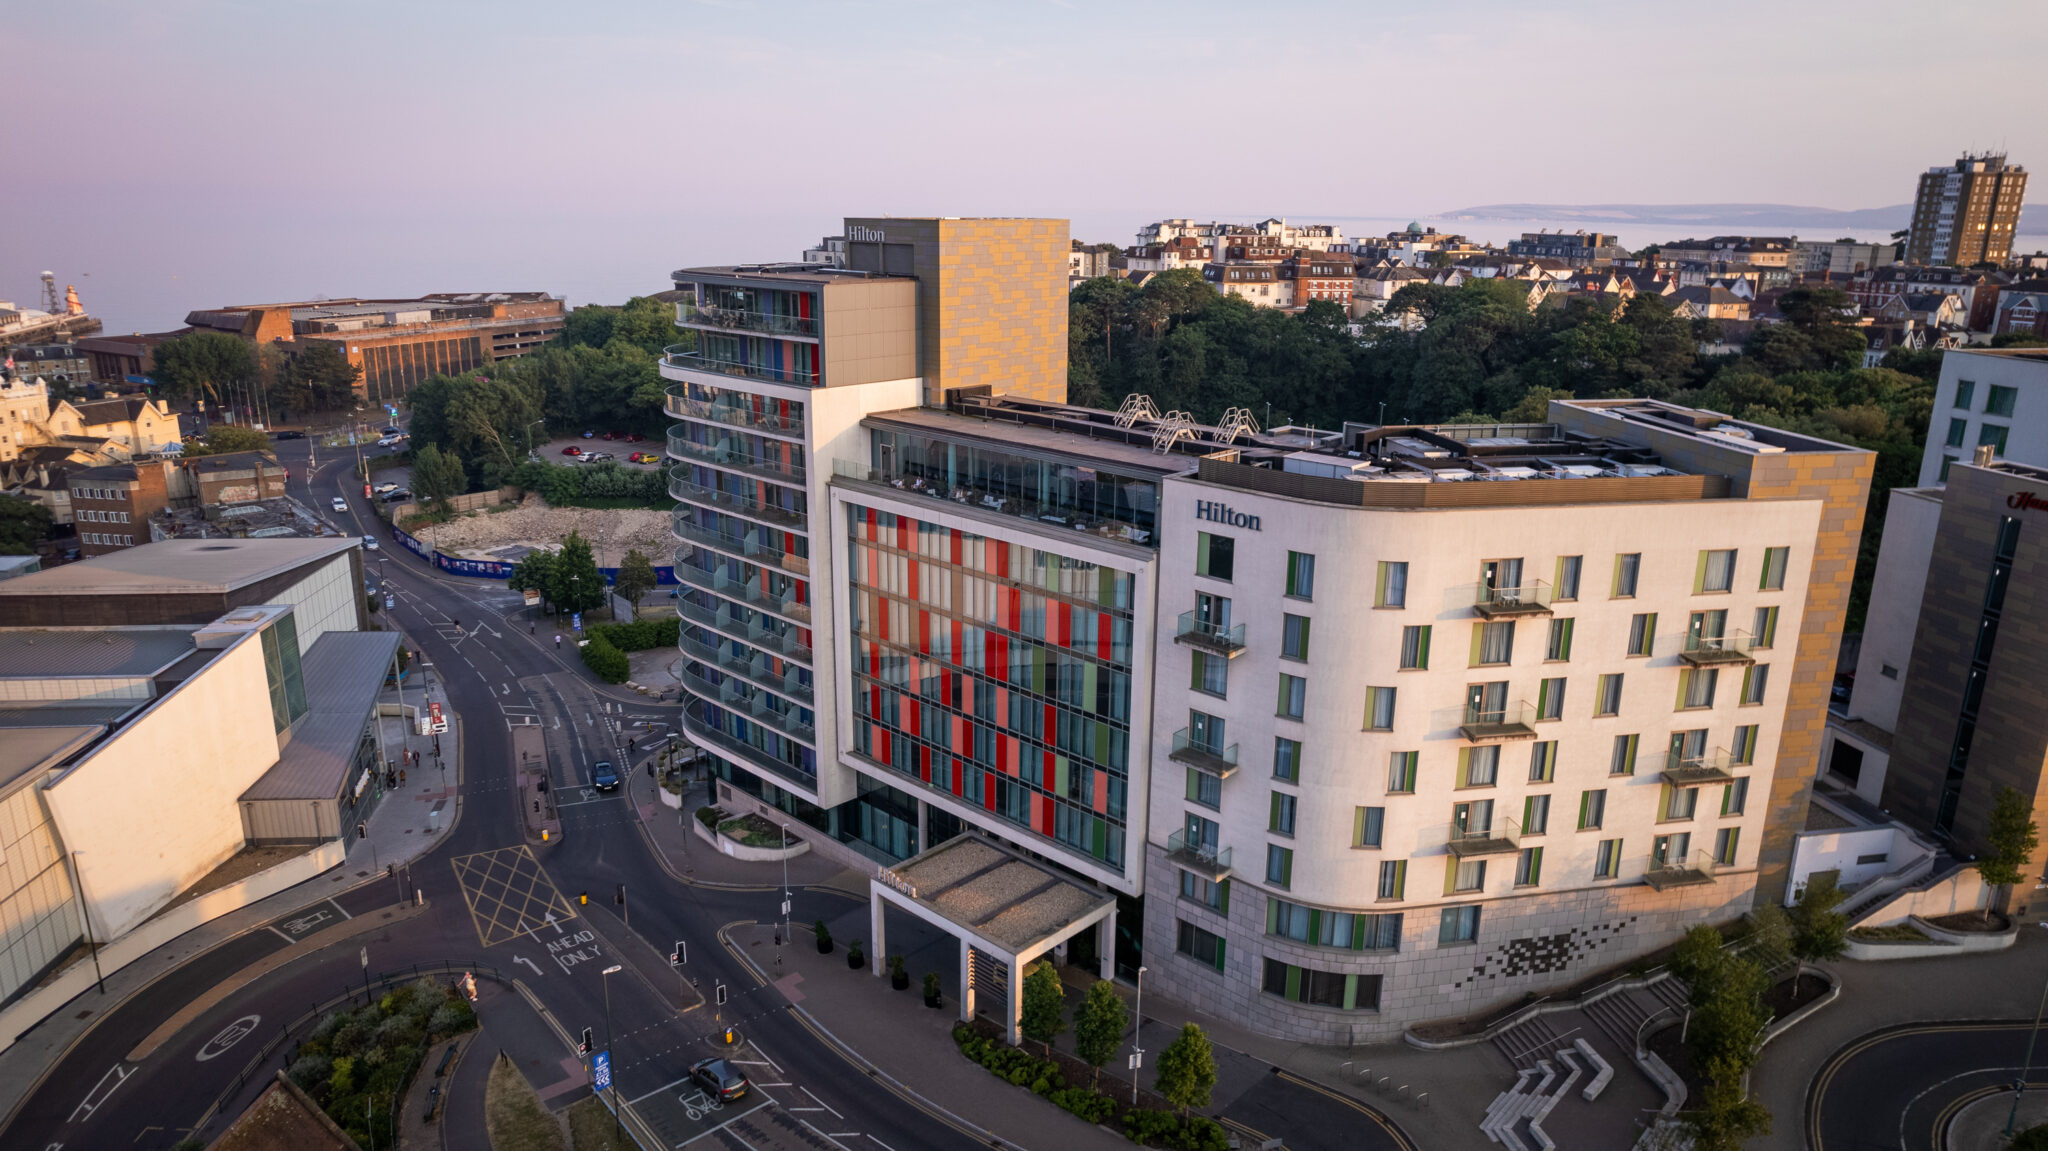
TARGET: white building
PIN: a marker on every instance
(1995, 397)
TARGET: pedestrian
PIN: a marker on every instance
(529, 627)
(401, 775)
(558, 639)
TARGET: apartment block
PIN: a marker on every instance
(1964, 213)
(112, 505)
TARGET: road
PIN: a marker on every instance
(1900, 1087)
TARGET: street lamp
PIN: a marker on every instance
(607, 974)
(2019, 1086)
(1137, 1036)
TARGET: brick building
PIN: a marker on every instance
(111, 505)
(237, 477)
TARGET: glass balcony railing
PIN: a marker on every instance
(742, 320)
(1514, 721)
(1702, 650)
(732, 455)
(1666, 870)
(1219, 761)
(748, 546)
(1532, 598)
(1009, 505)
(681, 487)
(744, 591)
(1694, 770)
(682, 405)
(755, 632)
(1198, 855)
(753, 665)
(1227, 641)
(751, 702)
(682, 359)
(697, 722)
(1498, 837)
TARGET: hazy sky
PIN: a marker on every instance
(171, 154)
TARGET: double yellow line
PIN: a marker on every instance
(1835, 1063)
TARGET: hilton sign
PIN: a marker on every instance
(1216, 511)
(2026, 501)
(866, 235)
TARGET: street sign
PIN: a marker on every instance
(785, 907)
(532, 596)
(601, 1071)
(576, 620)
(1137, 1060)
(390, 602)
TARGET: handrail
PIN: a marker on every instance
(682, 405)
(724, 456)
(675, 356)
(772, 514)
(747, 320)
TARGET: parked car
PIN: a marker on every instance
(589, 435)
(602, 777)
(593, 457)
(572, 450)
(398, 496)
(340, 505)
(636, 438)
(719, 1079)
(392, 429)
(611, 435)
(386, 486)
(288, 436)
(369, 543)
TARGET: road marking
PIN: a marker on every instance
(884, 1146)
(505, 689)
(90, 1104)
(552, 923)
(820, 1102)
(529, 963)
(281, 933)
(230, 1035)
(659, 1090)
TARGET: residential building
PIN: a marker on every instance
(1529, 701)
(1978, 290)
(1178, 252)
(2022, 310)
(125, 359)
(1987, 397)
(1580, 249)
(1090, 262)
(1705, 303)
(1273, 233)
(112, 505)
(1964, 213)
(118, 428)
(1256, 280)
(1844, 257)
(399, 343)
(64, 363)
(1762, 251)
(236, 477)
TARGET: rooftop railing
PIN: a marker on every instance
(1022, 507)
(743, 320)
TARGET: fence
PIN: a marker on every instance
(474, 501)
(494, 569)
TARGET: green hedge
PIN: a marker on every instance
(1141, 1125)
(607, 662)
(642, 635)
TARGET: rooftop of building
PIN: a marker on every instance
(32, 748)
(343, 672)
(233, 461)
(179, 566)
(1013, 902)
(278, 517)
(102, 653)
(791, 272)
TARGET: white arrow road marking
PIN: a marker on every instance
(553, 924)
(528, 962)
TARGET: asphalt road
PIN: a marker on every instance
(1898, 1088)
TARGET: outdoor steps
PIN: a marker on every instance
(1673, 991)
(1542, 1112)
(1522, 1044)
(1603, 1073)
(1621, 1015)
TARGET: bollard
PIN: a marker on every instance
(1382, 1084)
(1401, 1092)
(1422, 1100)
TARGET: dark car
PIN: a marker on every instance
(397, 496)
(603, 778)
(288, 436)
(719, 1079)
(392, 429)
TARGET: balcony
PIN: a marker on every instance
(756, 668)
(1205, 858)
(685, 407)
(1691, 871)
(752, 633)
(1515, 721)
(1707, 650)
(745, 591)
(1694, 770)
(742, 320)
(1532, 598)
(751, 702)
(1227, 642)
(1503, 836)
(675, 356)
(748, 547)
(1220, 762)
(700, 730)
(727, 454)
(1023, 507)
(682, 488)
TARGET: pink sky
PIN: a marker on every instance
(186, 153)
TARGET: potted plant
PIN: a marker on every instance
(931, 990)
(824, 938)
(899, 978)
(855, 957)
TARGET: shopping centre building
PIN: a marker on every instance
(1359, 727)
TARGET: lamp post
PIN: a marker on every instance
(606, 979)
(2019, 1086)
(1138, 1035)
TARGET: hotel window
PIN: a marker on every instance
(1379, 708)
(1209, 673)
(1458, 925)
(1957, 429)
(1607, 860)
(1287, 759)
(1592, 808)
(1479, 766)
(1214, 555)
(1204, 947)
(1341, 929)
(1764, 631)
(1467, 875)
(1542, 761)
(1204, 789)
(1993, 435)
(1529, 867)
(1559, 646)
(1279, 865)
(1754, 680)
(1735, 796)
(1568, 577)
(1293, 696)
(1626, 567)
(1293, 637)
(1214, 896)
(1280, 814)
(1535, 814)
(1415, 648)
(1999, 400)
(1776, 560)
(1716, 571)
(1550, 699)
(1392, 589)
(1401, 772)
(1966, 392)
(1321, 988)
(1493, 643)
(1642, 634)
(1368, 824)
(1680, 802)
(1393, 879)
(1607, 697)
(1696, 687)
(1742, 749)
(1301, 575)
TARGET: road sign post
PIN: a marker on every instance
(601, 1072)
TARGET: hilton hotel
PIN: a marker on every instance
(1360, 727)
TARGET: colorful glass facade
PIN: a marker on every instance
(994, 672)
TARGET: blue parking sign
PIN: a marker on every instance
(576, 620)
(601, 1071)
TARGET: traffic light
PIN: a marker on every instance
(620, 898)
(721, 995)
(680, 955)
(589, 1044)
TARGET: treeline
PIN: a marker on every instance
(1477, 353)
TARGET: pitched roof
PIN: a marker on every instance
(117, 410)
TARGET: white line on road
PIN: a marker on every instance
(529, 963)
(820, 1102)
(884, 1146)
(89, 1104)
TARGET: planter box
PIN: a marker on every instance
(671, 799)
(1940, 942)
(740, 851)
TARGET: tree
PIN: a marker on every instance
(1045, 1003)
(535, 571)
(1726, 1118)
(636, 577)
(204, 366)
(437, 475)
(318, 379)
(577, 584)
(23, 524)
(1187, 1070)
(1819, 931)
(2010, 840)
(1099, 1024)
(223, 438)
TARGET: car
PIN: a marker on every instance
(593, 457)
(288, 436)
(386, 486)
(719, 1079)
(589, 435)
(369, 543)
(387, 441)
(392, 429)
(636, 457)
(602, 777)
(572, 450)
(340, 505)
(611, 435)
(398, 496)
(636, 438)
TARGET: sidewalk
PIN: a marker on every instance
(691, 860)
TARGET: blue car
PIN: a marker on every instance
(603, 777)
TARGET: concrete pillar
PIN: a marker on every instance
(1013, 1016)
(922, 840)
(1105, 944)
(877, 918)
(966, 982)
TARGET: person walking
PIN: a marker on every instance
(558, 639)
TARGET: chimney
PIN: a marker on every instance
(1984, 455)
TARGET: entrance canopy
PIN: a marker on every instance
(1007, 910)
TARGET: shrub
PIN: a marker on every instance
(640, 635)
(452, 1018)
(1093, 1106)
(708, 816)
(605, 661)
(309, 1071)
(1150, 1128)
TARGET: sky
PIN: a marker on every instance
(166, 155)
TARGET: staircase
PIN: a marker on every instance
(1515, 1118)
(1621, 1015)
(1529, 1042)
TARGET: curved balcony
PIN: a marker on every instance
(683, 406)
(742, 320)
(685, 360)
(746, 592)
(752, 702)
(751, 632)
(743, 547)
(682, 488)
(728, 455)
(755, 667)
(705, 735)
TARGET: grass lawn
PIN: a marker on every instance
(514, 1115)
(590, 1128)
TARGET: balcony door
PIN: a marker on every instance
(1474, 818)
(1671, 850)
(1205, 731)
(1202, 834)
(1501, 575)
(1212, 612)
(1487, 698)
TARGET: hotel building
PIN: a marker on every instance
(1361, 727)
